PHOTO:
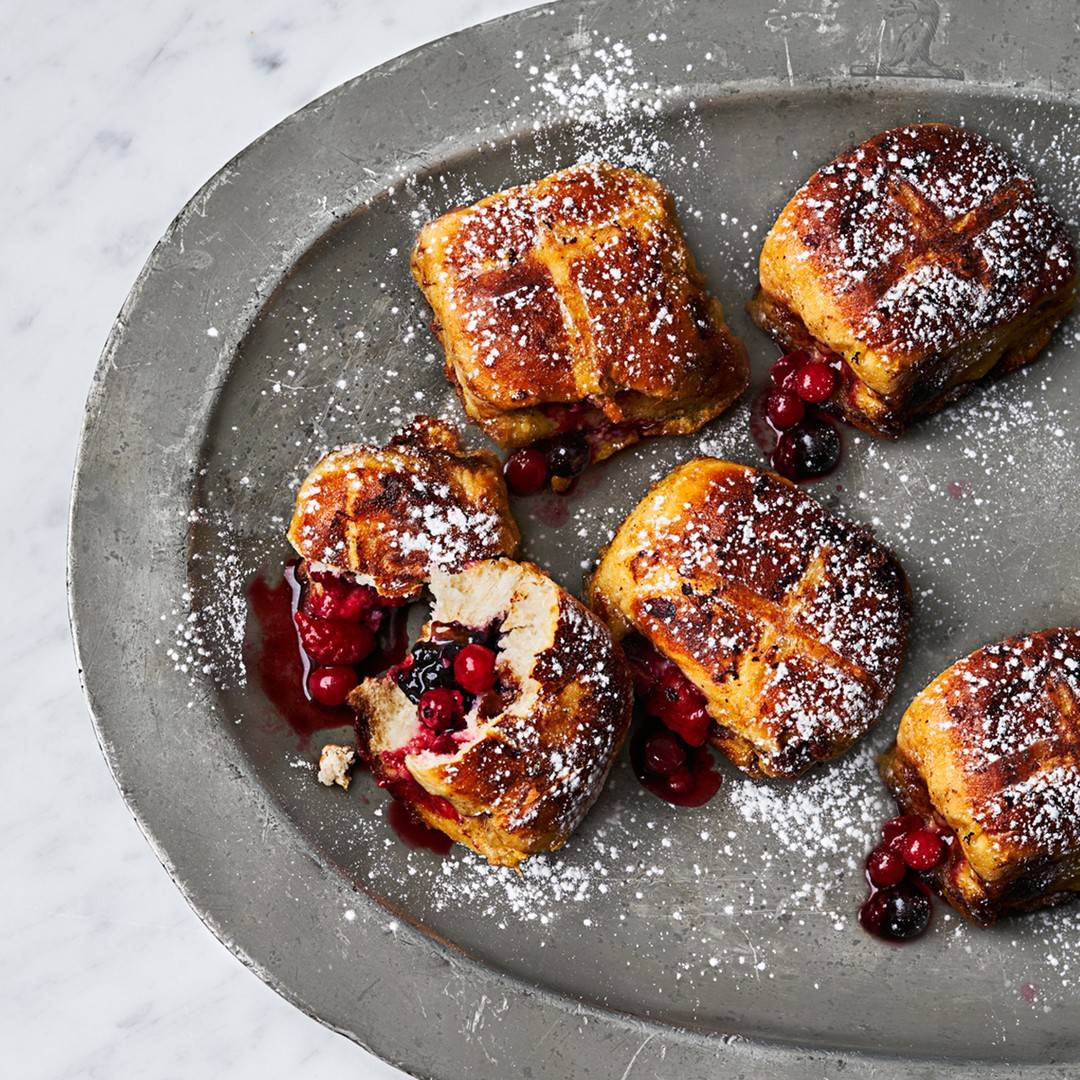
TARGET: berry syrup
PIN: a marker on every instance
(353, 636)
(695, 785)
(280, 663)
(411, 831)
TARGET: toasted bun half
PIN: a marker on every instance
(535, 751)
(393, 515)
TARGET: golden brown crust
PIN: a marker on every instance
(992, 748)
(391, 515)
(925, 258)
(791, 622)
(577, 288)
(530, 769)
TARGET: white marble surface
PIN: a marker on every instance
(112, 113)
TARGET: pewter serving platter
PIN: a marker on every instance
(277, 318)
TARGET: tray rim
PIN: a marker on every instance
(694, 1053)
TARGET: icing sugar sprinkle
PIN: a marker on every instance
(763, 883)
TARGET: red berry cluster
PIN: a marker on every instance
(529, 469)
(668, 753)
(808, 444)
(337, 621)
(898, 907)
(440, 677)
(442, 712)
(665, 756)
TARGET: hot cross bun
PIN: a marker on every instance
(572, 305)
(989, 755)
(790, 622)
(925, 261)
(389, 516)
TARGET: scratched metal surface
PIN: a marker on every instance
(307, 229)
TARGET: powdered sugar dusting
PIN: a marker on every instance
(927, 237)
(1009, 714)
(758, 890)
(800, 618)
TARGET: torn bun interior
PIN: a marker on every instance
(500, 727)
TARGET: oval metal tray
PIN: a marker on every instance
(277, 317)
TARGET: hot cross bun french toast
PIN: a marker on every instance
(923, 259)
(790, 622)
(389, 516)
(573, 305)
(501, 726)
(989, 755)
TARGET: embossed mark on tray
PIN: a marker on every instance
(905, 40)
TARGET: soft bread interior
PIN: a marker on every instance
(528, 612)
(524, 604)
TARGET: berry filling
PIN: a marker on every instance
(331, 686)
(558, 460)
(784, 409)
(345, 631)
(442, 710)
(666, 694)
(276, 659)
(430, 666)
(330, 642)
(451, 678)
(885, 868)
(899, 905)
(783, 371)
(561, 459)
(671, 769)
(790, 422)
(310, 693)
(807, 450)
(474, 668)
(668, 752)
(899, 913)
(331, 597)
(664, 753)
(568, 456)
(898, 827)
(922, 849)
(815, 382)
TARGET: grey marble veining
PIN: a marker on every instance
(111, 115)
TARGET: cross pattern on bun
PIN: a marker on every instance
(926, 260)
(989, 753)
(392, 515)
(791, 622)
(577, 290)
(534, 751)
